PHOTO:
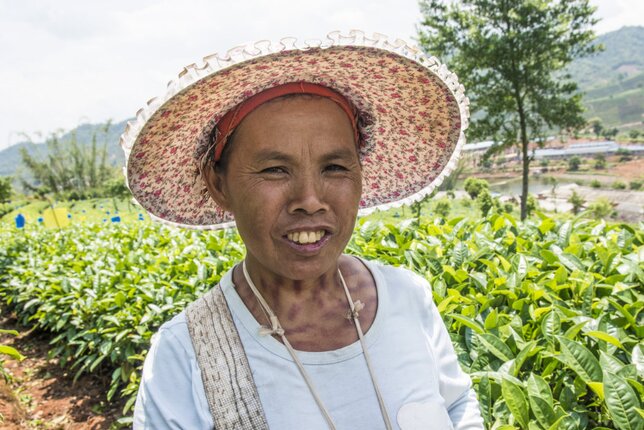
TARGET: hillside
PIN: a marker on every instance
(613, 80)
(11, 161)
(622, 57)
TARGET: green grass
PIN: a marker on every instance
(100, 210)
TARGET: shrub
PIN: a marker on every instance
(574, 163)
(6, 189)
(577, 202)
(474, 187)
(595, 184)
(600, 162)
(531, 204)
(543, 314)
(485, 202)
(8, 351)
(601, 208)
(635, 185)
(624, 154)
(618, 185)
(443, 207)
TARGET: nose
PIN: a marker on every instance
(307, 195)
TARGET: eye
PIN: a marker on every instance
(274, 170)
(335, 168)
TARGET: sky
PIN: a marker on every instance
(67, 62)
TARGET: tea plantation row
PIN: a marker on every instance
(545, 315)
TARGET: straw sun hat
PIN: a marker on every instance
(411, 116)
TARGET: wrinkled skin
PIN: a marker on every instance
(293, 166)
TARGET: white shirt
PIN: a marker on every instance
(413, 359)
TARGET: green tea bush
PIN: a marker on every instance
(8, 351)
(618, 185)
(545, 315)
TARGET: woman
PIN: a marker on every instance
(291, 143)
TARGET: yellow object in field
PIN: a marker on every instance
(56, 217)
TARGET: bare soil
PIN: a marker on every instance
(43, 395)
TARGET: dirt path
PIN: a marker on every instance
(44, 396)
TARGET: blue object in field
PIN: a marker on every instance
(141, 217)
(40, 220)
(69, 216)
(104, 219)
(116, 219)
(20, 220)
(108, 212)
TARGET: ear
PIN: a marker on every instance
(216, 185)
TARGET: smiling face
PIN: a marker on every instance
(293, 182)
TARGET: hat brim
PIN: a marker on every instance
(412, 116)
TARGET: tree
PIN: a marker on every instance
(510, 55)
(600, 162)
(6, 189)
(577, 202)
(69, 166)
(597, 126)
(610, 133)
(573, 163)
(474, 187)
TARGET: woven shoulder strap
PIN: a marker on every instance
(230, 389)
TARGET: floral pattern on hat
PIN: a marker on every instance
(411, 122)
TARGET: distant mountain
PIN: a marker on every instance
(622, 58)
(11, 161)
(613, 80)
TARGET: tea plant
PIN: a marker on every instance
(545, 315)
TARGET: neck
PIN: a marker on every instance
(289, 298)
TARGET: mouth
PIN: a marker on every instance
(307, 237)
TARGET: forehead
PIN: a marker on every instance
(293, 121)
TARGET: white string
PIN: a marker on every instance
(276, 329)
(354, 316)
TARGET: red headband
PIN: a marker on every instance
(235, 116)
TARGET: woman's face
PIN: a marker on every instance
(293, 182)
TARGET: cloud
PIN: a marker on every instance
(63, 61)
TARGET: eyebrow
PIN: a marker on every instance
(276, 155)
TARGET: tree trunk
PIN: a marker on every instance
(525, 163)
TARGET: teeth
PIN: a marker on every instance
(305, 237)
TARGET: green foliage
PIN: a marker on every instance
(597, 127)
(69, 167)
(532, 204)
(8, 351)
(635, 185)
(624, 154)
(577, 202)
(595, 184)
(6, 189)
(618, 185)
(600, 162)
(486, 202)
(511, 56)
(443, 207)
(474, 187)
(601, 208)
(543, 314)
(573, 163)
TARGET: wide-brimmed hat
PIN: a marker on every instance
(411, 116)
